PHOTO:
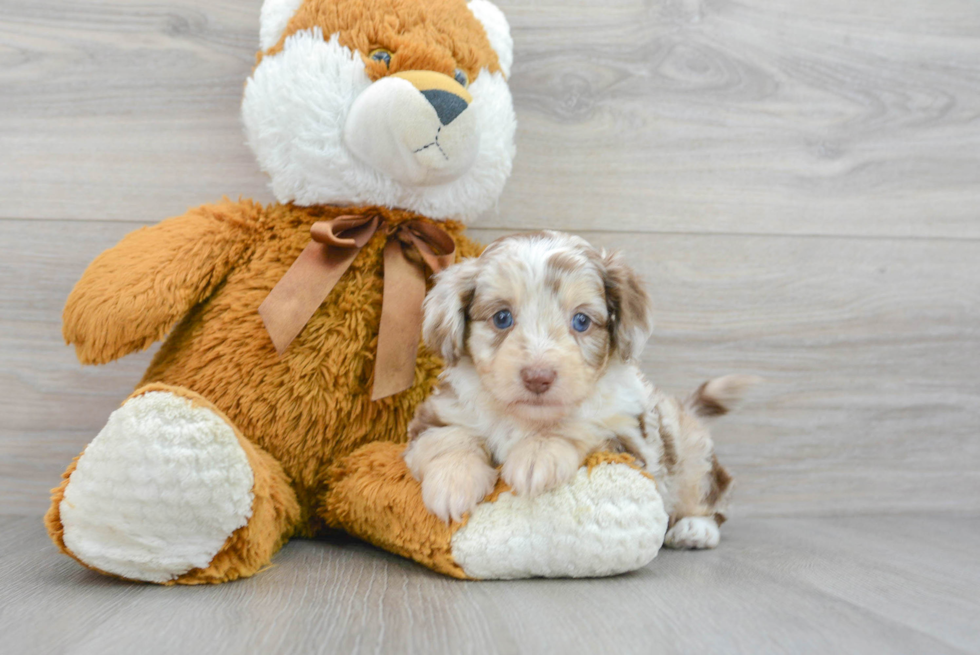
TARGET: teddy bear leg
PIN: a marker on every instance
(171, 492)
(609, 519)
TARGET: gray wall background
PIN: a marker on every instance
(798, 182)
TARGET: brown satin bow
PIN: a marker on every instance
(296, 297)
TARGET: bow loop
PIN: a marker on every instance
(345, 231)
(437, 248)
(335, 243)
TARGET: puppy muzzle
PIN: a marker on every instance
(417, 127)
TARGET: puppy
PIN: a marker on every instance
(540, 335)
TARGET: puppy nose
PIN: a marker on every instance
(447, 105)
(538, 380)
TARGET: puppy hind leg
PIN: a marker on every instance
(693, 533)
(704, 483)
(697, 527)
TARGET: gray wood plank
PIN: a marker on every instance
(868, 346)
(799, 183)
(761, 116)
(773, 586)
(124, 110)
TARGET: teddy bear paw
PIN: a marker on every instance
(158, 492)
(604, 521)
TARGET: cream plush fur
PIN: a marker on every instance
(229, 449)
(297, 109)
(274, 19)
(618, 508)
(165, 470)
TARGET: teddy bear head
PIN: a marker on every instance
(402, 103)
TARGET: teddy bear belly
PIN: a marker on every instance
(309, 407)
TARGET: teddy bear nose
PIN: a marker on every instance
(538, 380)
(447, 105)
(447, 96)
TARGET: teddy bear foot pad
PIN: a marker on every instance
(606, 521)
(158, 491)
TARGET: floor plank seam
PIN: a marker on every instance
(477, 226)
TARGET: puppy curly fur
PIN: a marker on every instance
(540, 335)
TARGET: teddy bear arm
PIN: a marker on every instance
(133, 293)
(607, 520)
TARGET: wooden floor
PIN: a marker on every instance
(799, 184)
(819, 585)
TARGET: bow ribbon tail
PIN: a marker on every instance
(336, 242)
(401, 323)
(295, 298)
(293, 301)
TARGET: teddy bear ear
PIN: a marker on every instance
(274, 19)
(498, 31)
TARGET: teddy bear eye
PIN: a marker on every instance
(460, 76)
(503, 319)
(382, 55)
(581, 322)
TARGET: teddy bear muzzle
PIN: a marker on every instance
(417, 127)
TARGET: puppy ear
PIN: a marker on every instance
(630, 308)
(446, 306)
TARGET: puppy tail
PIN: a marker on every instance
(719, 396)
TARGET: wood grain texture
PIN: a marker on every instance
(829, 585)
(799, 184)
(759, 116)
(868, 347)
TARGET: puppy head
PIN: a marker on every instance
(540, 316)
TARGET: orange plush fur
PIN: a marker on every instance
(434, 35)
(197, 281)
(201, 277)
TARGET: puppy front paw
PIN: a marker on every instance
(693, 533)
(538, 465)
(454, 485)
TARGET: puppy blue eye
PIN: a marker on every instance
(581, 322)
(381, 55)
(503, 319)
(460, 76)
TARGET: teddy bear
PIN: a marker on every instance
(278, 403)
